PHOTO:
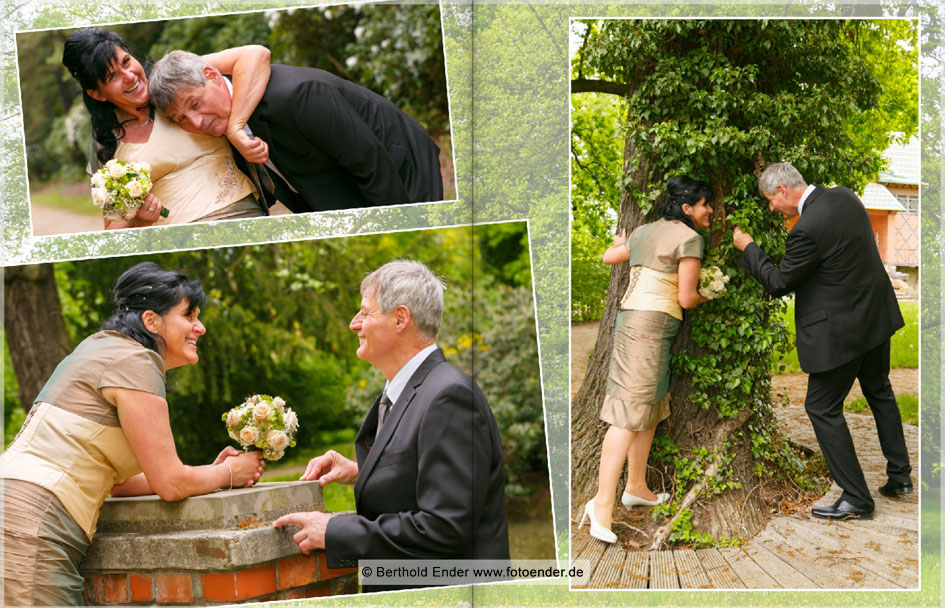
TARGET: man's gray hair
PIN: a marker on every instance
(411, 284)
(780, 174)
(175, 72)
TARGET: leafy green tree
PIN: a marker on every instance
(717, 100)
(397, 51)
(596, 168)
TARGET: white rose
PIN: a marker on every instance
(98, 180)
(291, 421)
(233, 435)
(249, 435)
(100, 196)
(277, 440)
(718, 286)
(233, 417)
(278, 403)
(273, 455)
(261, 412)
(116, 170)
(134, 188)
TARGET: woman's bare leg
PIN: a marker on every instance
(637, 455)
(615, 446)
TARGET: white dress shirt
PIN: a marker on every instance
(395, 387)
(800, 204)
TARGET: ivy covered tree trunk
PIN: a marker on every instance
(35, 329)
(717, 100)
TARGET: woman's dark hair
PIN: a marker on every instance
(683, 190)
(147, 286)
(87, 54)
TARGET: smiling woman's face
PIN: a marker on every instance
(124, 84)
(700, 213)
(180, 332)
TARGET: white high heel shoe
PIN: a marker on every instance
(597, 531)
(629, 500)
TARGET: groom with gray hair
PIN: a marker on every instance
(336, 144)
(845, 314)
(429, 481)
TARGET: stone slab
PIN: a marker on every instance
(203, 550)
(223, 510)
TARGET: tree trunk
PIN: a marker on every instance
(587, 430)
(736, 512)
(35, 329)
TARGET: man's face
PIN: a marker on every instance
(377, 331)
(784, 201)
(203, 109)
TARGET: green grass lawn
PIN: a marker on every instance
(904, 350)
(338, 497)
(73, 197)
(908, 407)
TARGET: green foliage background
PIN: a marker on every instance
(277, 319)
(510, 127)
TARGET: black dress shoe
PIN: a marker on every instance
(842, 510)
(892, 489)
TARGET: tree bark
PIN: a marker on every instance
(590, 85)
(35, 329)
(587, 430)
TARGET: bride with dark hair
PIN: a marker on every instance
(101, 426)
(195, 176)
(665, 259)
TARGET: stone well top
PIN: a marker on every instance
(240, 508)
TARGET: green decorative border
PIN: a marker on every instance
(508, 72)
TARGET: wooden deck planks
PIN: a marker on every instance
(784, 575)
(663, 570)
(830, 570)
(749, 573)
(689, 569)
(906, 531)
(636, 570)
(609, 569)
(592, 552)
(579, 544)
(720, 573)
(856, 547)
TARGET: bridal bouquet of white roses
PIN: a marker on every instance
(263, 422)
(119, 188)
(712, 282)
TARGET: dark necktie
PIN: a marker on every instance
(382, 407)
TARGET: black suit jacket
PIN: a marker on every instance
(342, 146)
(432, 485)
(845, 304)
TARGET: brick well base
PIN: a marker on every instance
(214, 549)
